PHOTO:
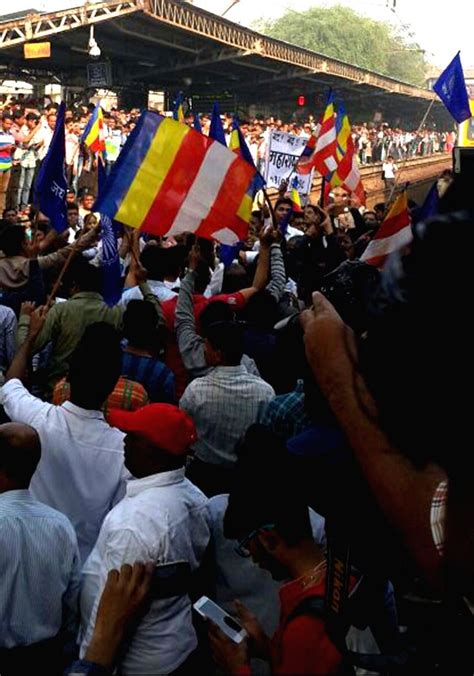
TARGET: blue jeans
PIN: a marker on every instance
(24, 186)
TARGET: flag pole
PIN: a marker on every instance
(403, 165)
(323, 190)
(270, 207)
(67, 263)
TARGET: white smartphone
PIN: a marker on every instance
(230, 627)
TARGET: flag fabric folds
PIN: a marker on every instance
(323, 155)
(347, 173)
(295, 197)
(216, 130)
(394, 233)
(197, 123)
(94, 133)
(170, 179)
(178, 111)
(51, 184)
(451, 89)
(343, 130)
(430, 206)
(111, 272)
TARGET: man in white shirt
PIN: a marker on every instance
(39, 563)
(163, 518)
(389, 168)
(156, 261)
(46, 136)
(81, 472)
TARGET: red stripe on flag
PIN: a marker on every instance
(176, 185)
(391, 226)
(228, 200)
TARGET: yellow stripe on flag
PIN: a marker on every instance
(245, 209)
(399, 206)
(152, 172)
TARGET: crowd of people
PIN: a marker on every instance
(273, 432)
(26, 132)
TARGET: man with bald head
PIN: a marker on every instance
(39, 563)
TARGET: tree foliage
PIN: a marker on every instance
(341, 33)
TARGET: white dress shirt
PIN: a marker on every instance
(81, 471)
(163, 519)
(161, 291)
(39, 571)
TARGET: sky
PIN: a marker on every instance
(440, 29)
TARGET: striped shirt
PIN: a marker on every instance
(156, 378)
(223, 405)
(7, 336)
(6, 140)
(285, 415)
(39, 571)
(438, 516)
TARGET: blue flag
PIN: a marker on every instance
(178, 110)
(451, 89)
(429, 208)
(229, 252)
(51, 183)
(197, 123)
(111, 272)
(216, 130)
(240, 145)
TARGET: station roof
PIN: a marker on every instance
(171, 45)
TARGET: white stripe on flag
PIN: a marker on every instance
(331, 163)
(204, 190)
(386, 245)
(353, 178)
(326, 139)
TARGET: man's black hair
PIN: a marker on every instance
(235, 278)
(283, 200)
(140, 324)
(31, 116)
(228, 338)
(72, 206)
(217, 311)
(18, 461)
(95, 366)
(12, 239)
(85, 276)
(154, 260)
(261, 498)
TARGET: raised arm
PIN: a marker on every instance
(190, 343)
(403, 492)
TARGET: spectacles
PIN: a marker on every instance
(241, 548)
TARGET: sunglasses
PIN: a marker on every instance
(241, 548)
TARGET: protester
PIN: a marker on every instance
(223, 405)
(163, 519)
(39, 561)
(81, 471)
(7, 146)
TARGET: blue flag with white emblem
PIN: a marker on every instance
(451, 89)
(51, 184)
(111, 272)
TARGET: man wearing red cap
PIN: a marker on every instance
(162, 518)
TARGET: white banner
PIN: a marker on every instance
(283, 152)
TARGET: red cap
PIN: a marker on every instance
(166, 426)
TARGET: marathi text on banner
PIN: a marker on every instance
(283, 152)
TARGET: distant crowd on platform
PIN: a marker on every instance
(26, 130)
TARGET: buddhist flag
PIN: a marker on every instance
(394, 233)
(324, 154)
(170, 179)
(347, 173)
(295, 197)
(94, 133)
(343, 129)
